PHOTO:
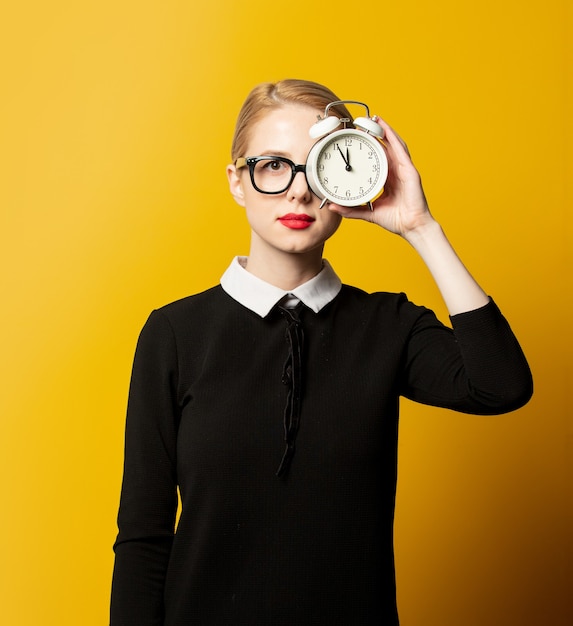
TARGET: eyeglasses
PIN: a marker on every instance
(270, 174)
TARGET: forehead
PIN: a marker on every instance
(283, 130)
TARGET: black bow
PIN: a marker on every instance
(292, 376)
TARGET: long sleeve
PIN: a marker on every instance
(149, 492)
(487, 373)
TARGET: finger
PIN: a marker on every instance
(393, 138)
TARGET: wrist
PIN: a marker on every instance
(426, 230)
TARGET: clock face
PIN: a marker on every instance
(351, 168)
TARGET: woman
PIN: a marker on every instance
(271, 402)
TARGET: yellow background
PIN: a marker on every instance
(115, 127)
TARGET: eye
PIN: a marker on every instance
(274, 165)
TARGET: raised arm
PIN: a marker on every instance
(403, 210)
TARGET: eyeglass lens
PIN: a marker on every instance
(272, 175)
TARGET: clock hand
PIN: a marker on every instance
(348, 167)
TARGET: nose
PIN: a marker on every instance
(299, 189)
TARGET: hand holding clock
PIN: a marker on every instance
(402, 208)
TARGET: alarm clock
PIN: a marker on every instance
(348, 166)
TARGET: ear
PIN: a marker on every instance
(235, 185)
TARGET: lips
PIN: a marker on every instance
(296, 221)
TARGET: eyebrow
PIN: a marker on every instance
(278, 153)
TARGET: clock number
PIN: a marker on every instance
(348, 193)
(348, 141)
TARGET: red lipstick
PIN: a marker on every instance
(296, 221)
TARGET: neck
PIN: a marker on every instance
(285, 270)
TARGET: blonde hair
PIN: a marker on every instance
(268, 96)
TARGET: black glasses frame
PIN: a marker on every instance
(251, 162)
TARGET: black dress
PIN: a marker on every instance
(214, 389)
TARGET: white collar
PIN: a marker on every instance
(260, 296)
